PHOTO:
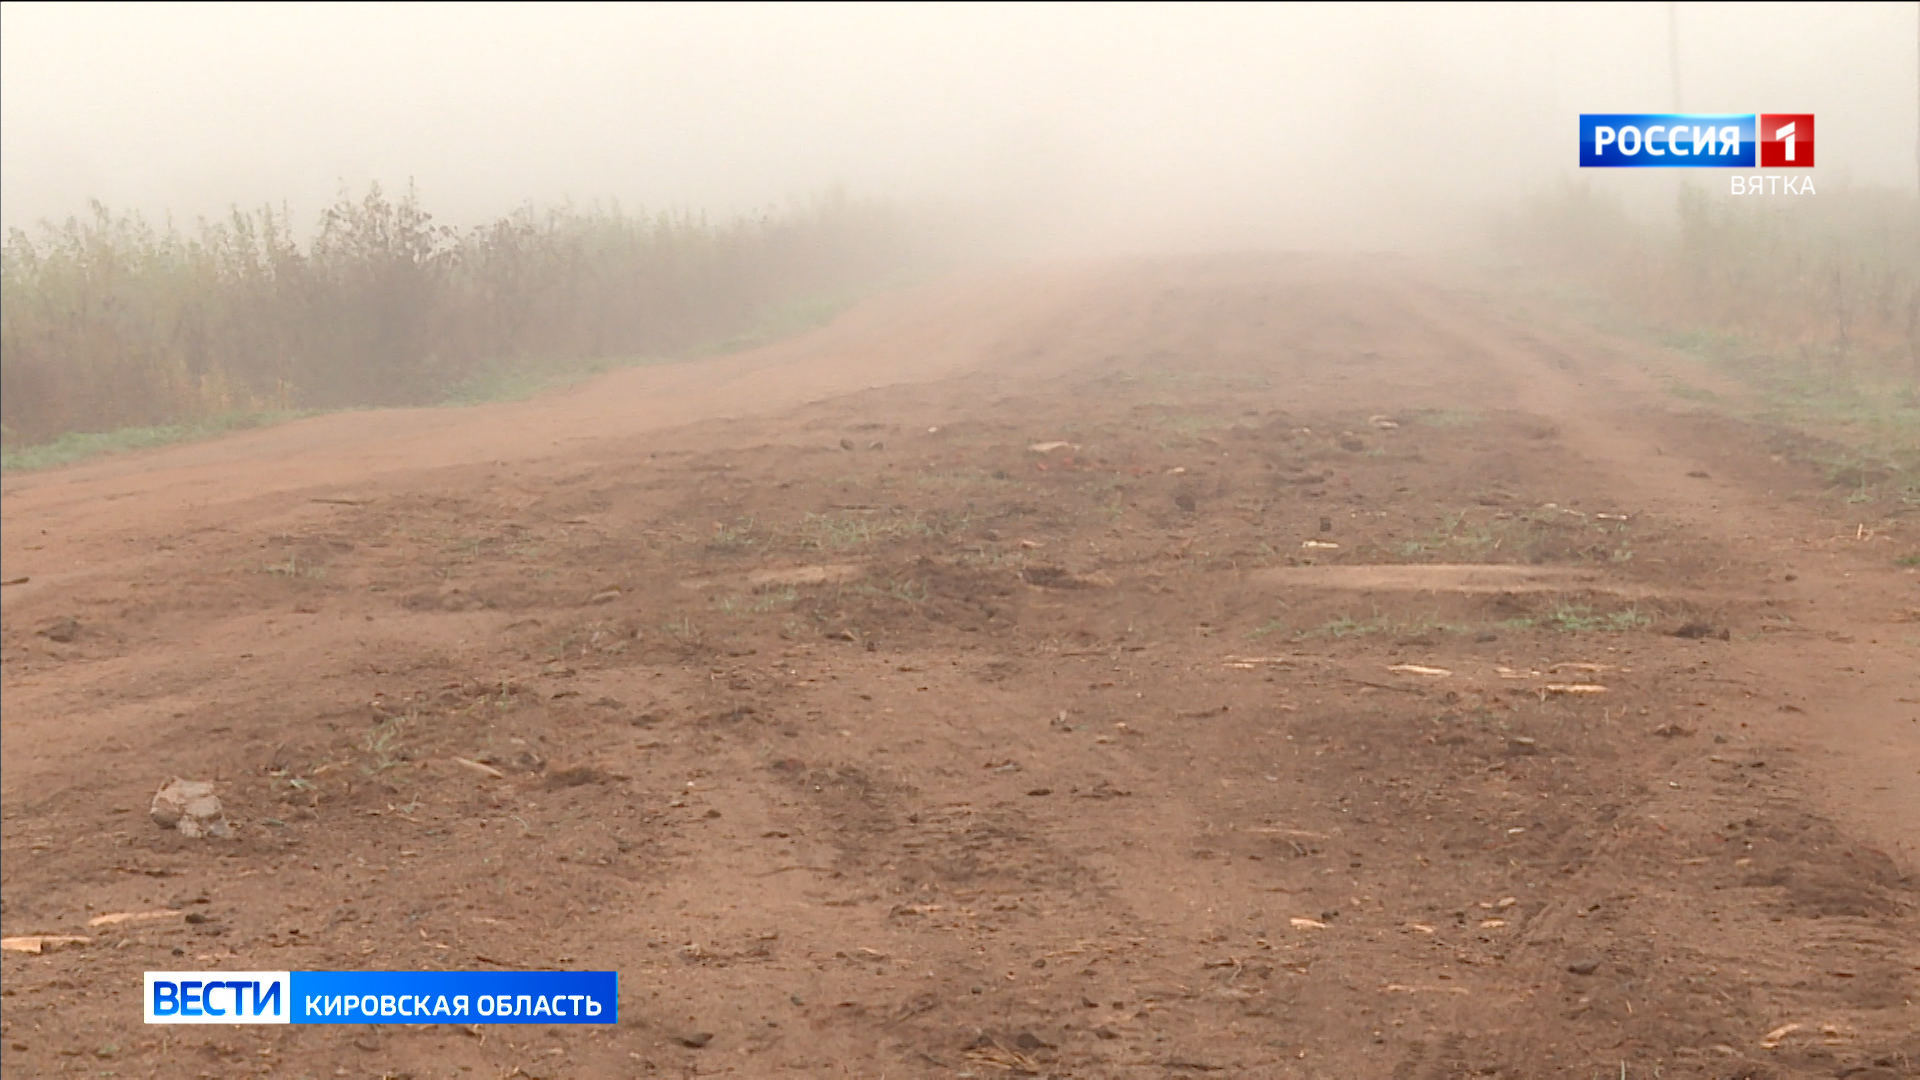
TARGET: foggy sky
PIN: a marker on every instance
(1147, 124)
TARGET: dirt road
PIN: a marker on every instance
(1286, 667)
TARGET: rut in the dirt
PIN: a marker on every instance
(1322, 703)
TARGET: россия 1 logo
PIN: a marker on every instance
(1786, 140)
(1696, 141)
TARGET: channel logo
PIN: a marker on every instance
(1696, 141)
(219, 997)
(1786, 141)
(382, 997)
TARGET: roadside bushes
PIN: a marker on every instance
(107, 322)
(1828, 285)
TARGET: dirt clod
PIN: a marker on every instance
(1028, 1041)
(191, 807)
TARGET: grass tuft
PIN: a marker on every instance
(1579, 619)
(75, 446)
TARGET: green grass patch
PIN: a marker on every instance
(1447, 418)
(1689, 392)
(1463, 536)
(1579, 619)
(781, 321)
(82, 445)
(738, 536)
(1815, 314)
(523, 379)
(295, 569)
(1348, 627)
(908, 592)
(383, 743)
(1565, 619)
(502, 382)
(964, 479)
(1190, 426)
(837, 531)
(518, 382)
(760, 603)
(842, 531)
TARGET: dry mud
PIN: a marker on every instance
(1370, 684)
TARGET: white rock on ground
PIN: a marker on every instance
(191, 807)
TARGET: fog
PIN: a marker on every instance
(1375, 125)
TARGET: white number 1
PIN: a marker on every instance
(1785, 135)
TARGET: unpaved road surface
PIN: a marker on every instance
(1372, 682)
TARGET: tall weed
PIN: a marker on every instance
(109, 322)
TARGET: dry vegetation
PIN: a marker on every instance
(1822, 295)
(111, 323)
(1811, 308)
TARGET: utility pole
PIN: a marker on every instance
(1673, 49)
(1683, 181)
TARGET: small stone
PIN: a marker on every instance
(191, 807)
(1584, 967)
(1105, 1032)
(63, 630)
(845, 444)
(694, 1040)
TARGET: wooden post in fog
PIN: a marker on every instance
(1673, 49)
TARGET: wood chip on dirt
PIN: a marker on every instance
(39, 943)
